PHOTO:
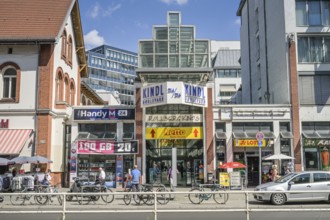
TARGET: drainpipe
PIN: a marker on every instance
(267, 94)
(248, 23)
(34, 149)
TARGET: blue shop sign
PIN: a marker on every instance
(104, 114)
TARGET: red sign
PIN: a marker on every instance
(95, 147)
(107, 147)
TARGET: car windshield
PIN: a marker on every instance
(285, 178)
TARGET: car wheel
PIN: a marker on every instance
(278, 198)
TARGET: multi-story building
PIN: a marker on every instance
(42, 61)
(174, 110)
(285, 60)
(112, 73)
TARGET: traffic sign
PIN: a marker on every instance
(260, 143)
(260, 136)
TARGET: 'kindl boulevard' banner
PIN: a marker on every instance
(106, 147)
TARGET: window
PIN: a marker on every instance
(70, 50)
(321, 177)
(301, 179)
(312, 12)
(66, 94)
(259, 76)
(314, 89)
(72, 93)
(9, 83)
(59, 85)
(64, 39)
(257, 47)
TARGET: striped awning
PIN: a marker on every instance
(13, 140)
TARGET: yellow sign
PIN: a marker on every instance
(224, 179)
(249, 143)
(174, 133)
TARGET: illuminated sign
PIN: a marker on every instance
(104, 114)
(249, 143)
(106, 147)
(174, 133)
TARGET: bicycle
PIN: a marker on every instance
(21, 199)
(128, 196)
(196, 198)
(43, 199)
(86, 199)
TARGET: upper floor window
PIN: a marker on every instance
(9, 83)
(70, 50)
(64, 39)
(312, 12)
(314, 49)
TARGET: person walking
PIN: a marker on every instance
(136, 178)
(101, 176)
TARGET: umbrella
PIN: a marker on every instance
(40, 159)
(278, 157)
(3, 161)
(232, 165)
(20, 160)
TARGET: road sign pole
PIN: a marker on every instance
(260, 137)
(260, 171)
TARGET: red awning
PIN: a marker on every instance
(13, 140)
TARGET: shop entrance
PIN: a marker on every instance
(189, 163)
(253, 170)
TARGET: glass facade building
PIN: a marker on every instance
(112, 69)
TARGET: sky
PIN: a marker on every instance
(122, 23)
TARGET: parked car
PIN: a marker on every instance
(307, 181)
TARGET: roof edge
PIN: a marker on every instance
(240, 7)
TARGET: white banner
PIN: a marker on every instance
(174, 118)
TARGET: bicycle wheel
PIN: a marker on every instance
(82, 199)
(220, 198)
(195, 198)
(59, 199)
(17, 200)
(148, 199)
(41, 199)
(163, 198)
(107, 198)
(127, 198)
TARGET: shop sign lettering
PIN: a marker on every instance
(174, 133)
(104, 114)
(174, 118)
(4, 123)
(315, 142)
(248, 143)
(106, 147)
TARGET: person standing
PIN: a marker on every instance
(136, 178)
(101, 176)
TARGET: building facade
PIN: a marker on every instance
(42, 61)
(284, 51)
(112, 72)
(174, 107)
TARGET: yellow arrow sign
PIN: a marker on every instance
(174, 133)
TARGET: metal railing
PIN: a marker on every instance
(156, 210)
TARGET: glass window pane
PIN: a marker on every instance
(174, 46)
(186, 60)
(174, 19)
(146, 47)
(187, 33)
(13, 88)
(303, 49)
(161, 61)
(201, 60)
(6, 87)
(314, 13)
(301, 15)
(174, 61)
(174, 34)
(327, 49)
(187, 47)
(326, 12)
(146, 60)
(161, 33)
(161, 46)
(316, 49)
(10, 72)
(201, 46)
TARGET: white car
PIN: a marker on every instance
(308, 181)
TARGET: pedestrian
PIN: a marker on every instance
(101, 176)
(136, 178)
(14, 172)
(170, 177)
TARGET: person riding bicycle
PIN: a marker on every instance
(136, 178)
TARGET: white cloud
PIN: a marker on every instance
(238, 21)
(111, 9)
(93, 39)
(94, 12)
(179, 2)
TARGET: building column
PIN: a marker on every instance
(295, 117)
(209, 133)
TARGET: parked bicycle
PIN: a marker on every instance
(44, 199)
(26, 196)
(106, 194)
(197, 198)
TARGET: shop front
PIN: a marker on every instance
(104, 139)
(316, 153)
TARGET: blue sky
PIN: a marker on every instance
(122, 23)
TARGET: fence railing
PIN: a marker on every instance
(64, 210)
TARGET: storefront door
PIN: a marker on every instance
(253, 170)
